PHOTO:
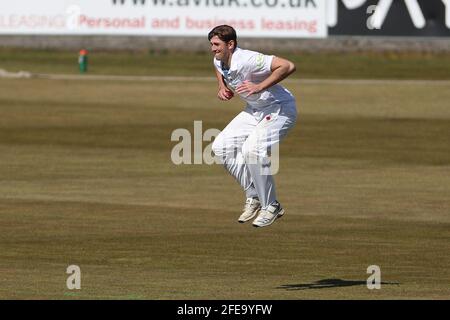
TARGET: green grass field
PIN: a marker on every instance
(338, 65)
(87, 179)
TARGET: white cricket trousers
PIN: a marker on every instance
(244, 147)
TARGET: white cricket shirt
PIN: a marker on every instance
(254, 67)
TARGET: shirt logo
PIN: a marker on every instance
(260, 60)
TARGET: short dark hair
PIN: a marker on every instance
(225, 33)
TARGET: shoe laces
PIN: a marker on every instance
(250, 202)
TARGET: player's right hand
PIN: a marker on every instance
(225, 94)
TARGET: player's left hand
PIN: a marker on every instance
(248, 87)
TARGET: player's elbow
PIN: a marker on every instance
(291, 67)
(288, 68)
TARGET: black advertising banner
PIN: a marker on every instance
(416, 18)
(225, 309)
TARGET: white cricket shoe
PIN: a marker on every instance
(267, 216)
(251, 209)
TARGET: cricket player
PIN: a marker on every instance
(244, 145)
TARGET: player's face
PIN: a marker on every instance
(221, 49)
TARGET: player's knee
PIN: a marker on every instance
(254, 152)
(249, 151)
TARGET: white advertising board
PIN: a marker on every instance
(251, 18)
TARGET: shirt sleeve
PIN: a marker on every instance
(216, 64)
